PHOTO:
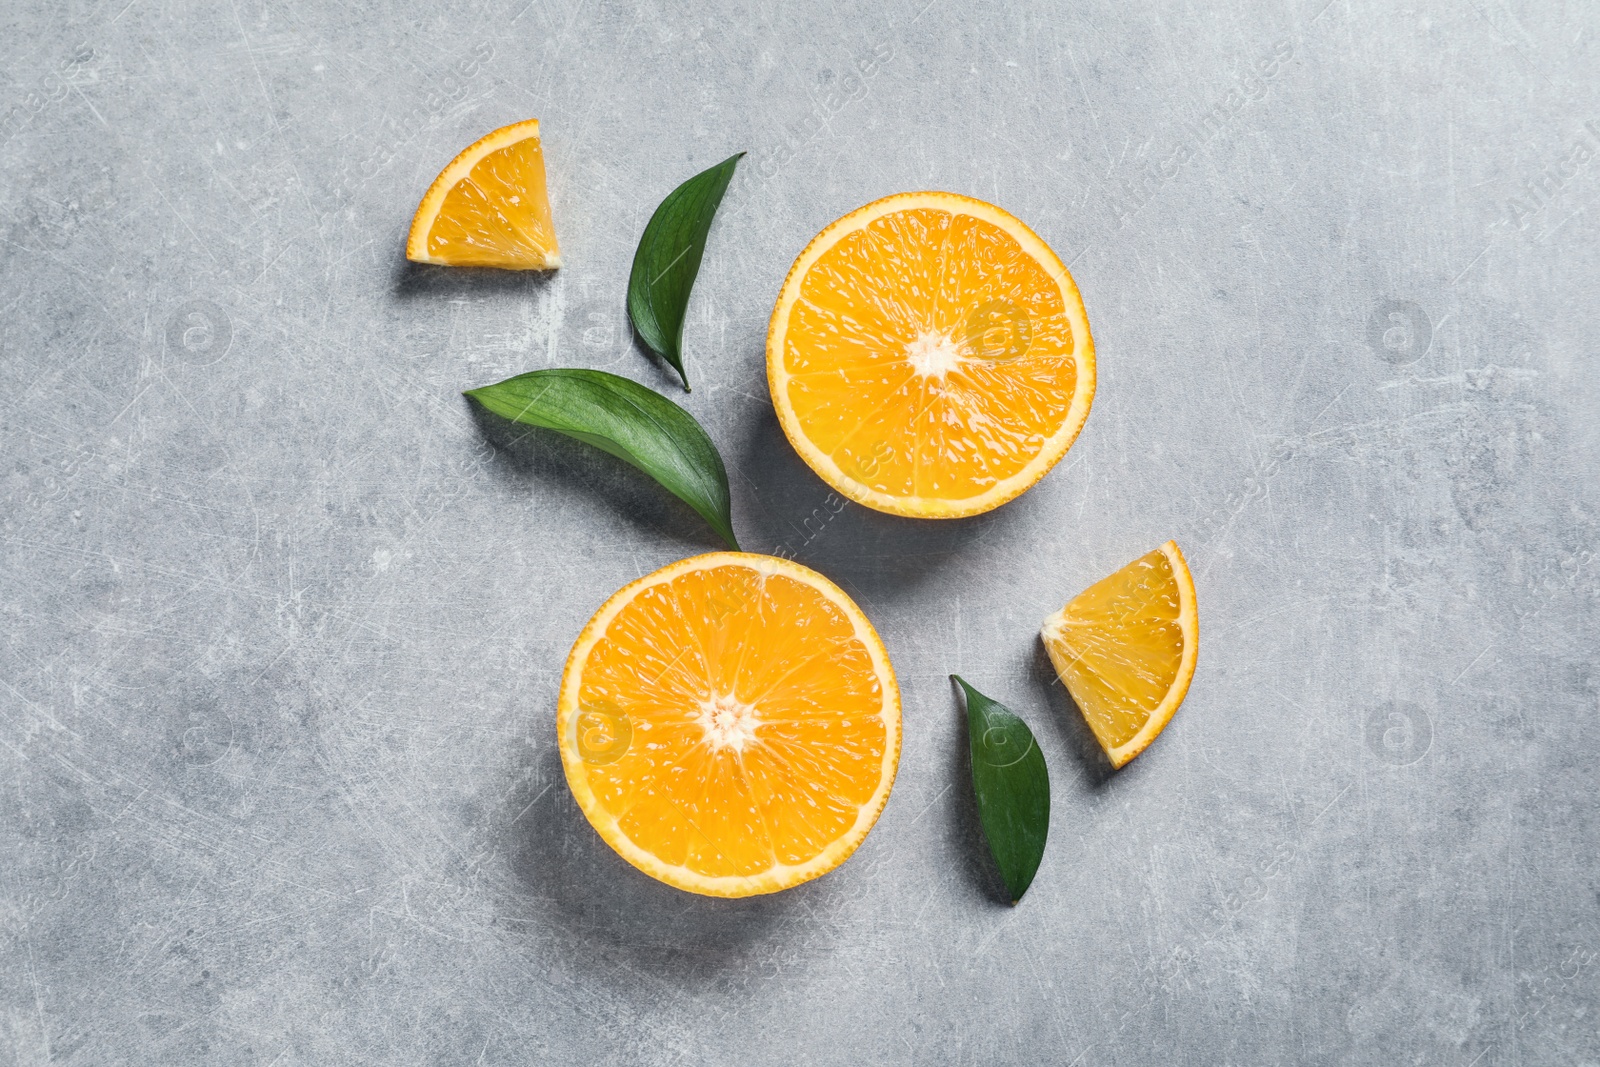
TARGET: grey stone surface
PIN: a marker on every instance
(283, 621)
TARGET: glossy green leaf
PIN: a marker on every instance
(1013, 788)
(633, 423)
(668, 259)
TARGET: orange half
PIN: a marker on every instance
(930, 356)
(489, 207)
(730, 724)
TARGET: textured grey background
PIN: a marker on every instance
(283, 621)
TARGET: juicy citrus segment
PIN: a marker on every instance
(489, 207)
(730, 724)
(929, 355)
(1126, 648)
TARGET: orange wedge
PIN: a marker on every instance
(730, 724)
(1126, 648)
(489, 207)
(929, 356)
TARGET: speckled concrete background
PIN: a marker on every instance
(282, 619)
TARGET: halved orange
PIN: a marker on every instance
(930, 356)
(489, 207)
(730, 724)
(1126, 649)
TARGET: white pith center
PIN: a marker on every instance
(933, 354)
(728, 722)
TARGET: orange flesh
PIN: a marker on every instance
(499, 214)
(755, 715)
(933, 282)
(1119, 647)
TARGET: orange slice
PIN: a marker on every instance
(1126, 648)
(489, 207)
(929, 356)
(730, 724)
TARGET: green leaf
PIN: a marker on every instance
(633, 423)
(668, 259)
(1013, 788)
